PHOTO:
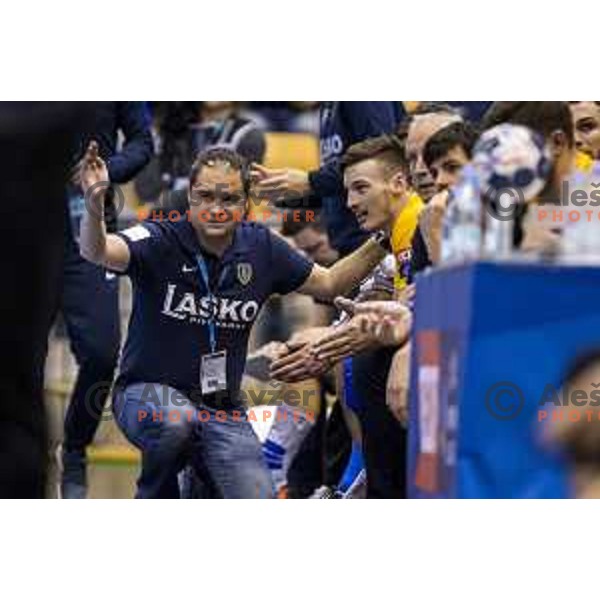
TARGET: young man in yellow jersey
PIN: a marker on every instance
(376, 177)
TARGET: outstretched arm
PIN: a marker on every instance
(96, 245)
(345, 275)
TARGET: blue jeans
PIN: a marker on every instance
(171, 432)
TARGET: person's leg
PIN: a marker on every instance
(160, 422)
(193, 487)
(352, 405)
(384, 438)
(348, 405)
(230, 452)
(339, 434)
(288, 431)
(307, 470)
(90, 307)
(36, 141)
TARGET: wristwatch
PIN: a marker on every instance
(383, 239)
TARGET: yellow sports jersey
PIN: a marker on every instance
(583, 162)
(402, 234)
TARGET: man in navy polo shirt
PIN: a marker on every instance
(198, 286)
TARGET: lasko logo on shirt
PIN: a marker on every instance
(226, 313)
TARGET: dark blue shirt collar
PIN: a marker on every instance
(187, 236)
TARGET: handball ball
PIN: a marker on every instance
(512, 157)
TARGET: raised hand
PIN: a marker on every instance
(431, 223)
(93, 171)
(281, 184)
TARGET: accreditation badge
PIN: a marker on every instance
(213, 372)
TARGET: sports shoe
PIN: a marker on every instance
(73, 477)
(325, 492)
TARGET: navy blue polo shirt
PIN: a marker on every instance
(168, 330)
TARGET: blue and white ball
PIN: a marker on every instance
(512, 157)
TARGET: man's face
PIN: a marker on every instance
(217, 200)
(421, 129)
(586, 123)
(445, 170)
(315, 244)
(369, 194)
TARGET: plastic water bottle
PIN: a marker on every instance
(498, 231)
(462, 234)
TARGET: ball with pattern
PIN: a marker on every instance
(512, 157)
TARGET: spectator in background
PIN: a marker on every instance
(220, 124)
(342, 124)
(416, 130)
(310, 236)
(472, 111)
(187, 130)
(445, 154)
(297, 117)
(553, 121)
(90, 296)
(175, 121)
(586, 122)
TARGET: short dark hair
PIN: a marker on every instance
(461, 134)
(221, 154)
(291, 227)
(543, 117)
(387, 148)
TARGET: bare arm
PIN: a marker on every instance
(96, 245)
(345, 275)
(398, 384)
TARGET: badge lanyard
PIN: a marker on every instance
(203, 271)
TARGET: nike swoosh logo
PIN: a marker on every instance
(187, 269)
